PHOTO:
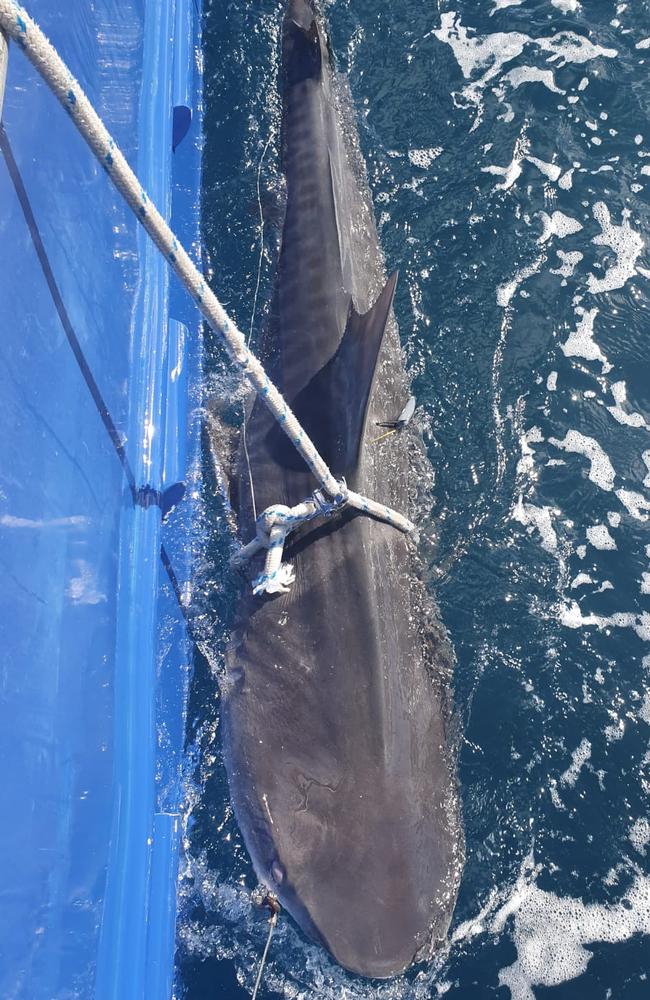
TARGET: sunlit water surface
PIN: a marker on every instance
(508, 150)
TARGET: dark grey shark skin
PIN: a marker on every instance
(335, 696)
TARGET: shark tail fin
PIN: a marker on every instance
(301, 50)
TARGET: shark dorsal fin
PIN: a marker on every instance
(356, 360)
(333, 405)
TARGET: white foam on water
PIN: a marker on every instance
(555, 798)
(558, 224)
(424, 157)
(571, 616)
(619, 392)
(646, 459)
(566, 180)
(639, 835)
(615, 732)
(531, 74)
(580, 343)
(580, 580)
(571, 48)
(626, 243)
(644, 711)
(579, 758)
(550, 170)
(539, 518)
(510, 174)
(634, 503)
(570, 261)
(551, 382)
(513, 170)
(474, 52)
(551, 932)
(599, 536)
(500, 4)
(488, 54)
(601, 470)
(526, 463)
(566, 6)
(506, 291)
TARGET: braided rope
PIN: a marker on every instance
(4, 57)
(19, 26)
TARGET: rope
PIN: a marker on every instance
(4, 58)
(19, 26)
(272, 922)
(273, 526)
(273, 905)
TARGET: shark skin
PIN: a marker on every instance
(336, 717)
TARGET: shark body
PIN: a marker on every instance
(336, 695)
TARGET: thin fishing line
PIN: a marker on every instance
(254, 309)
(272, 922)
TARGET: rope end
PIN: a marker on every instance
(278, 582)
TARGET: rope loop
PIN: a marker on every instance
(273, 527)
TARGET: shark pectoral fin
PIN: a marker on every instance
(357, 357)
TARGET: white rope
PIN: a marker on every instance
(19, 26)
(272, 922)
(4, 58)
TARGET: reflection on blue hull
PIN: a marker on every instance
(99, 386)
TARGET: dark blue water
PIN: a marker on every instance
(508, 149)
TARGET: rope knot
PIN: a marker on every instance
(328, 507)
(272, 527)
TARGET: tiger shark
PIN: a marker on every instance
(336, 715)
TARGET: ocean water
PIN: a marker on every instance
(508, 150)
